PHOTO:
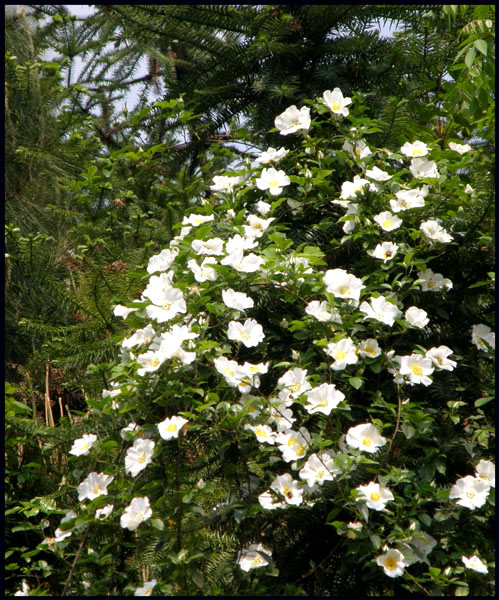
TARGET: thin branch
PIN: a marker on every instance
(80, 548)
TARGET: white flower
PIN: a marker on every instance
(112, 393)
(292, 120)
(105, 511)
(122, 311)
(281, 416)
(82, 445)
(387, 221)
(474, 562)
(342, 284)
(252, 557)
(381, 310)
(224, 183)
(350, 189)
(196, 220)
(250, 333)
(146, 589)
(272, 180)
(320, 311)
(213, 247)
(471, 491)
(170, 427)
(169, 343)
(263, 207)
(239, 243)
(486, 472)
(349, 226)
(482, 333)
(393, 563)
(323, 399)
(167, 305)
(365, 437)
(434, 231)
(344, 353)
(353, 528)
(433, 282)
(468, 189)
(416, 317)
(295, 381)
(369, 348)
(335, 101)
(407, 199)
(237, 300)
(251, 369)
(150, 361)
(417, 367)
(62, 534)
(422, 168)
(183, 232)
(241, 376)
(227, 368)
(415, 149)
(385, 251)
(138, 456)
(375, 495)
(377, 174)
(256, 227)
(271, 155)
(318, 469)
(138, 511)
(263, 433)
(162, 261)
(140, 337)
(157, 286)
(24, 591)
(203, 273)
(289, 488)
(268, 501)
(94, 486)
(438, 357)
(293, 444)
(461, 148)
(245, 264)
(359, 149)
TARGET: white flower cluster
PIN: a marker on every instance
(173, 338)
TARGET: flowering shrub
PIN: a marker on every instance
(272, 413)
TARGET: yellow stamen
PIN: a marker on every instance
(416, 369)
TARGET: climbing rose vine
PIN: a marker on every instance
(304, 368)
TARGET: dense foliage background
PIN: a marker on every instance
(94, 189)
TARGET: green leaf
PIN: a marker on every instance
(198, 578)
(355, 382)
(434, 571)
(470, 57)
(479, 284)
(425, 519)
(481, 46)
(482, 401)
(408, 431)
(158, 524)
(462, 591)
